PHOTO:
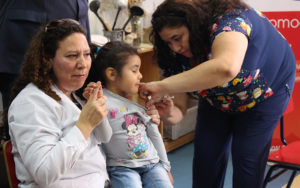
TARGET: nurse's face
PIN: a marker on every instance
(71, 63)
(177, 39)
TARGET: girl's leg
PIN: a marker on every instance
(123, 177)
(155, 176)
(211, 147)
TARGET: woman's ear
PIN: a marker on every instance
(111, 74)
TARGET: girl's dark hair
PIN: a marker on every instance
(113, 54)
(36, 67)
(198, 16)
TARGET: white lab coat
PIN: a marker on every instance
(49, 150)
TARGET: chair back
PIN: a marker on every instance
(10, 164)
(285, 158)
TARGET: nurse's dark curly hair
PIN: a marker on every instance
(198, 16)
(36, 67)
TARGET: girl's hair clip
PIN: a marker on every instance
(98, 49)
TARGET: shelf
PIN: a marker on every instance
(145, 47)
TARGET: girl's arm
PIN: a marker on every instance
(156, 139)
(103, 132)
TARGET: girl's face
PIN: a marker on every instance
(177, 38)
(71, 63)
(128, 81)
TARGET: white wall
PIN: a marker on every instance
(108, 12)
(275, 5)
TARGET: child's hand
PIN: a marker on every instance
(153, 113)
(90, 88)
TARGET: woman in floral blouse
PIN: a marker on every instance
(242, 70)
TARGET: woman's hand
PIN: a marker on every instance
(170, 111)
(153, 113)
(152, 89)
(93, 112)
(163, 105)
(90, 88)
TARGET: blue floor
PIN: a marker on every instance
(181, 162)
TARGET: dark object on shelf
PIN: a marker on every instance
(134, 11)
(94, 6)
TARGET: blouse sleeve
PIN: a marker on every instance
(233, 21)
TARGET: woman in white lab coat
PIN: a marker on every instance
(55, 135)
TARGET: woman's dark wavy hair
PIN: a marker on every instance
(113, 54)
(36, 67)
(198, 16)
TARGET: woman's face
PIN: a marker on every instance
(71, 63)
(177, 38)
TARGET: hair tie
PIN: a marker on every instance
(98, 49)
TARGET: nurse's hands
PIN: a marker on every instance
(153, 89)
(163, 105)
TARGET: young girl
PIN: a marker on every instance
(136, 156)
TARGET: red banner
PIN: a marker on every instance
(288, 23)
